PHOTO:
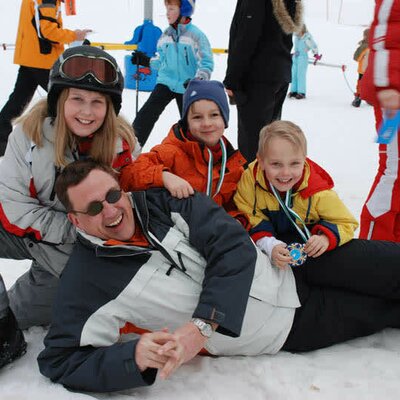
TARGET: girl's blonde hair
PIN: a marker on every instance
(104, 140)
(281, 129)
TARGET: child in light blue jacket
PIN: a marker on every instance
(303, 43)
(183, 53)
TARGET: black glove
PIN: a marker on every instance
(186, 83)
(140, 58)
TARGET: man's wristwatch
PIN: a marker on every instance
(205, 328)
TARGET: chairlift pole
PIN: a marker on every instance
(327, 10)
(148, 10)
(340, 11)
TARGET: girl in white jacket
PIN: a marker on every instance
(78, 120)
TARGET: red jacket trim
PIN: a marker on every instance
(16, 230)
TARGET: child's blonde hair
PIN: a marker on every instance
(281, 129)
(103, 146)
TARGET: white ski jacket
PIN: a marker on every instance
(28, 203)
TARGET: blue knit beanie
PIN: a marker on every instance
(206, 90)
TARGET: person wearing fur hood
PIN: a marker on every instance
(259, 64)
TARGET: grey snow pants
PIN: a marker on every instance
(31, 297)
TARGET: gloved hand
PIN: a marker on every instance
(186, 83)
(140, 58)
(317, 58)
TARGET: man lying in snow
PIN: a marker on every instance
(188, 273)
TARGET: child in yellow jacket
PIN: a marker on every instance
(287, 197)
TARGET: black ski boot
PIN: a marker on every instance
(292, 94)
(12, 342)
(356, 102)
(300, 96)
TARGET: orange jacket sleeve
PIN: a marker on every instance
(145, 172)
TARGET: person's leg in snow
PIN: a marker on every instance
(12, 342)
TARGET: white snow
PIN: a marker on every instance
(340, 137)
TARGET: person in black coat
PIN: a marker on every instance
(259, 64)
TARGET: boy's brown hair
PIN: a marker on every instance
(281, 129)
(172, 2)
(74, 173)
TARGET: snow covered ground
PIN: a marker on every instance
(340, 137)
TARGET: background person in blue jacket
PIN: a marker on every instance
(183, 53)
(303, 43)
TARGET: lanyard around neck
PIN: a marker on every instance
(291, 214)
(210, 170)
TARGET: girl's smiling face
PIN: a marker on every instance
(84, 111)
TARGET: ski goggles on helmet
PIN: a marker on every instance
(96, 207)
(79, 66)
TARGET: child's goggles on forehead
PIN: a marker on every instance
(78, 66)
(96, 207)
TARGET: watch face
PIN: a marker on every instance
(207, 330)
(204, 328)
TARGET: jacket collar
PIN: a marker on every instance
(175, 33)
(177, 135)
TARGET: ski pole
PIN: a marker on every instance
(7, 46)
(346, 80)
(325, 64)
(137, 85)
(343, 67)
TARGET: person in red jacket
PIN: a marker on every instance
(195, 155)
(380, 86)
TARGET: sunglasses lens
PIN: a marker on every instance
(95, 207)
(78, 66)
(113, 196)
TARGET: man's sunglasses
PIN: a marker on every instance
(96, 207)
(78, 67)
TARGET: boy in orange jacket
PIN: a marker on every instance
(195, 155)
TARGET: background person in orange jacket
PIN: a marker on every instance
(361, 57)
(40, 41)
